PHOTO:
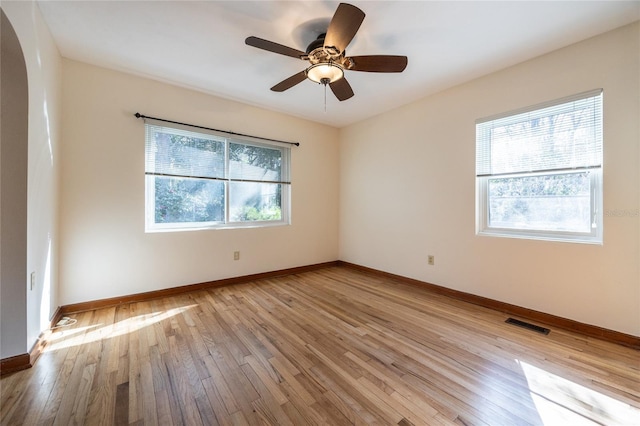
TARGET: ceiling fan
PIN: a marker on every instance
(327, 55)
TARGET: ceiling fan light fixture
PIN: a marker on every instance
(325, 72)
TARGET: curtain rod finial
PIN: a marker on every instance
(138, 115)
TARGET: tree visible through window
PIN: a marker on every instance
(196, 180)
(539, 171)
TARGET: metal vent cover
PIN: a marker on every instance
(527, 325)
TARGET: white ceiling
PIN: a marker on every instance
(200, 45)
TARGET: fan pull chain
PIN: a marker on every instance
(325, 81)
(325, 98)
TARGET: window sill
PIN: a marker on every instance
(539, 236)
(250, 225)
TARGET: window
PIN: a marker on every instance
(539, 171)
(207, 180)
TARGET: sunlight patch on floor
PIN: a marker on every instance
(561, 401)
(81, 335)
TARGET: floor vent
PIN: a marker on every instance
(527, 325)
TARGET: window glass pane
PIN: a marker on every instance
(252, 201)
(255, 163)
(201, 180)
(179, 200)
(556, 202)
(185, 155)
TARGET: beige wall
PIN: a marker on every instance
(105, 251)
(43, 64)
(407, 190)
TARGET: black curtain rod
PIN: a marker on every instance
(138, 115)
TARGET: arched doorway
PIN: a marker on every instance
(13, 193)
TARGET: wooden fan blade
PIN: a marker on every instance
(290, 82)
(342, 89)
(378, 63)
(343, 27)
(274, 47)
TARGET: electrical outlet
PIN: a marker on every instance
(236, 255)
(33, 281)
(431, 260)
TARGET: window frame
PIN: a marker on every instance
(483, 227)
(285, 194)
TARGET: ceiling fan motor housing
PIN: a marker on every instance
(317, 52)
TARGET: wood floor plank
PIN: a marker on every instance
(179, 380)
(217, 385)
(267, 407)
(216, 402)
(289, 376)
(102, 409)
(266, 380)
(333, 346)
(65, 409)
(121, 416)
(166, 400)
(81, 402)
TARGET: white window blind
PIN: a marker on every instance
(558, 136)
(182, 153)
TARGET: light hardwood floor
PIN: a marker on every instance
(330, 347)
